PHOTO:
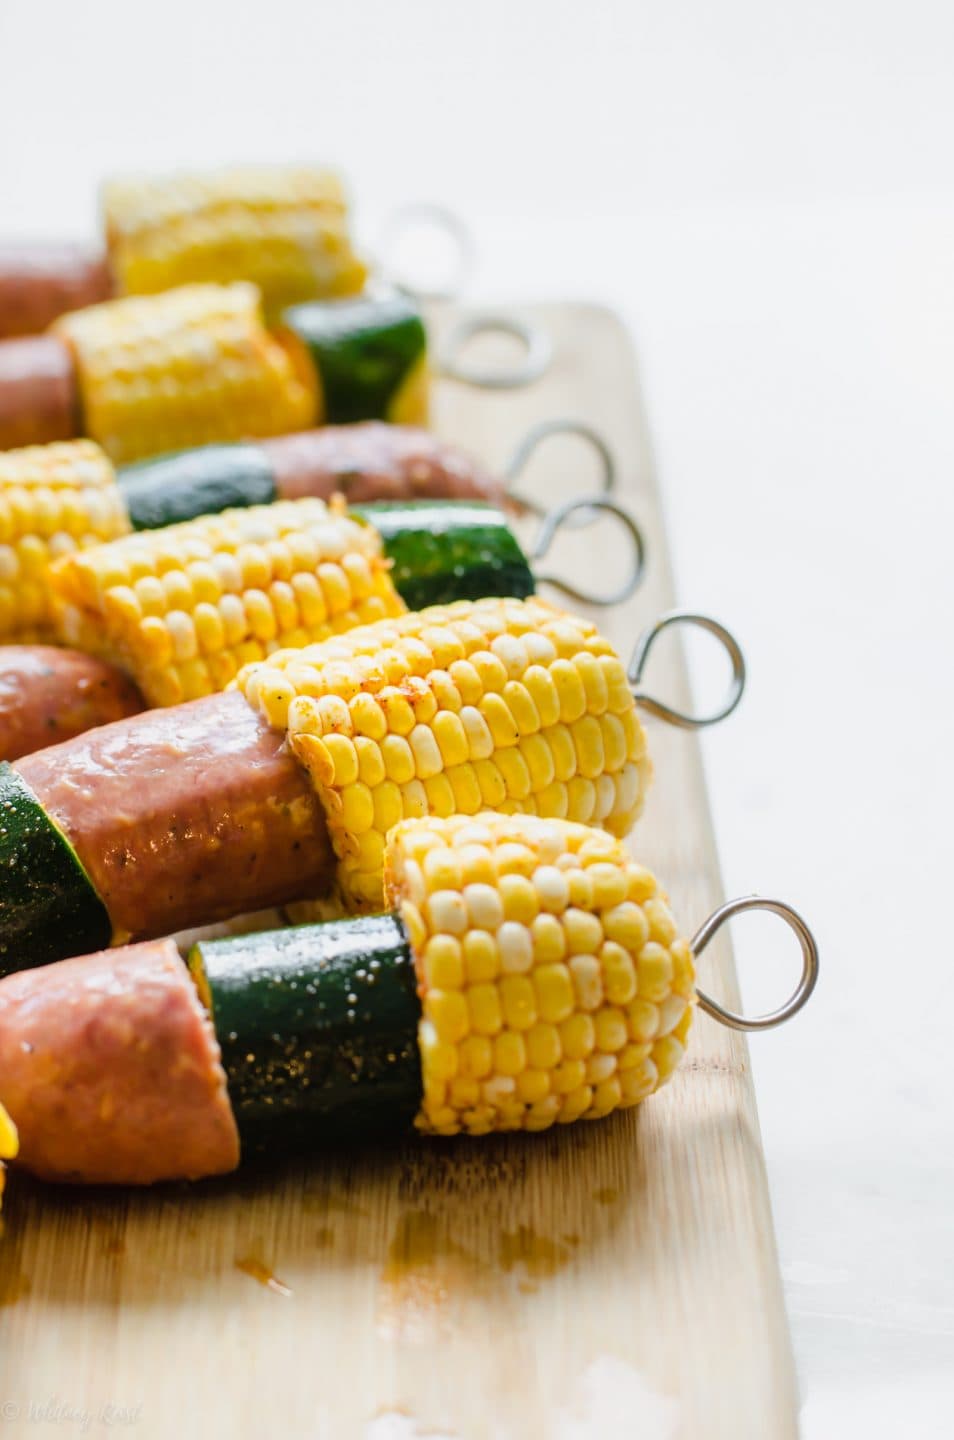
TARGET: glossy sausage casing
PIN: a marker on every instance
(185, 816)
(111, 1070)
(49, 695)
(376, 461)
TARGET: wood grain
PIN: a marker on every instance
(612, 1279)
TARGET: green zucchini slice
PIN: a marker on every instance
(363, 349)
(318, 1031)
(444, 550)
(189, 483)
(48, 906)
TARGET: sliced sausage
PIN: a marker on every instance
(185, 816)
(49, 695)
(376, 461)
(39, 395)
(40, 281)
(111, 1071)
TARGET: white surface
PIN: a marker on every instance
(766, 192)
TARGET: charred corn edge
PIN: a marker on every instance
(9, 1139)
(554, 985)
(132, 352)
(181, 609)
(533, 713)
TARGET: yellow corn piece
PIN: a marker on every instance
(9, 1146)
(54, 500)
(553, 983)
(189, 367)
(284, 228)
(492, 704)
(184, 608)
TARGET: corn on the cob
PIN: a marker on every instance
(284, 228)
(553, 983)
(503, 704)
(194, 365)
(184, 608)
(54, 500)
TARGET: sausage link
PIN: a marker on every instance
(376, 461)
(40, 282)
(49, 695)
(111, 1070)
(186, 816)
(39, 394)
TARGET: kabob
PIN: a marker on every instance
(523, 972)
(219, 591)
(284, 787)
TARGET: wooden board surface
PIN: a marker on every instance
(606, 1280)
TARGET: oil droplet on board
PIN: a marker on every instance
(261, 1272)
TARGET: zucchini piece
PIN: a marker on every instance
(48, 906)
(318, 1031)
(444, 550)
(364, 350)
(188, 483)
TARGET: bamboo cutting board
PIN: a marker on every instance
(605, 1280)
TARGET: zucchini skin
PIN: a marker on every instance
(48, 905)
(445, 550)
(188, 483)
(363, 350)
(318, 1031)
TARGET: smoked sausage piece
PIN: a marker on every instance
(111, 1070)
(48, 695)
(40, 282)
(376, 461)
(185, 816)
(39, 397)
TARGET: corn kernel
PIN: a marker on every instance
(587, 976)
(444, 963)
(654, 972)
(671, 1011)
(518, 1002)
(549, 941)
(510, 1054)
(481, 956)
(476, 1057)
(577, 1037)
(483, 1003)
(667, 1052)
(637, 1083)
(619, 973)
(447, 912)
(544, 1048)
(642, 1019)
(448, 1012)
(569, 1075)
(554, 992)
(627, 925)
(662, 927)
(533, 1086)
(483, 906)
(518, 899)
(515, 945)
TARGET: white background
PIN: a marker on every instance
(767, 192)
